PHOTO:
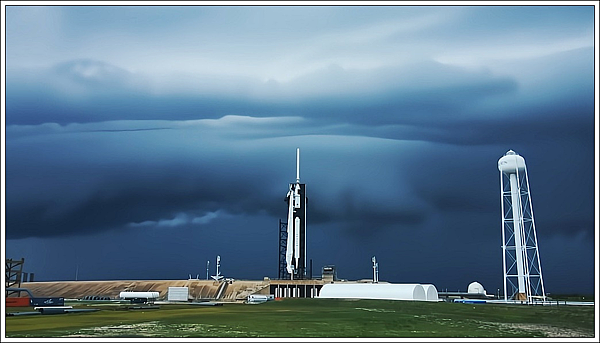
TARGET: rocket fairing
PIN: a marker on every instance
(296, 226)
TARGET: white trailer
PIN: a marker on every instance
(259, 298)
(139, 297)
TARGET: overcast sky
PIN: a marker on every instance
(143, 141)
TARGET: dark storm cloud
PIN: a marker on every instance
(86, 91)
(428, 101)
(83, 91)
(83, 178)
(80, 182)
(450, 100)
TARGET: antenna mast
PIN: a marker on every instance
(297, 165)
(375, 270)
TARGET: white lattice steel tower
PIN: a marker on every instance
(520, 255)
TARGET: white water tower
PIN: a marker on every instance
(520, 259)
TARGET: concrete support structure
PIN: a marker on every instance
(295, 290)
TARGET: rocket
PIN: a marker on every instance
(296, 228)
(289, 254)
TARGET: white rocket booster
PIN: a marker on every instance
(293, 228)
(296, 241)
(290, 232)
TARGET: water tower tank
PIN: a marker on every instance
(511, 162)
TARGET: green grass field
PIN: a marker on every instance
(312, 318)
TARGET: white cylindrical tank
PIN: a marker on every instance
(373, 291)
(431, 293)
(138, 295)
(511, 162)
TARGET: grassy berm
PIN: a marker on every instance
(312, 318)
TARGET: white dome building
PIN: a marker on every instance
(476, 288)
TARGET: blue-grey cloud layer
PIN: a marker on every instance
(146, 122)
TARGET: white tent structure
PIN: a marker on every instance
(379, 291)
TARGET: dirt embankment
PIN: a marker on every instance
(198, 289)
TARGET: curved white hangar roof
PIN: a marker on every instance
(410, 291)
(431, 293)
